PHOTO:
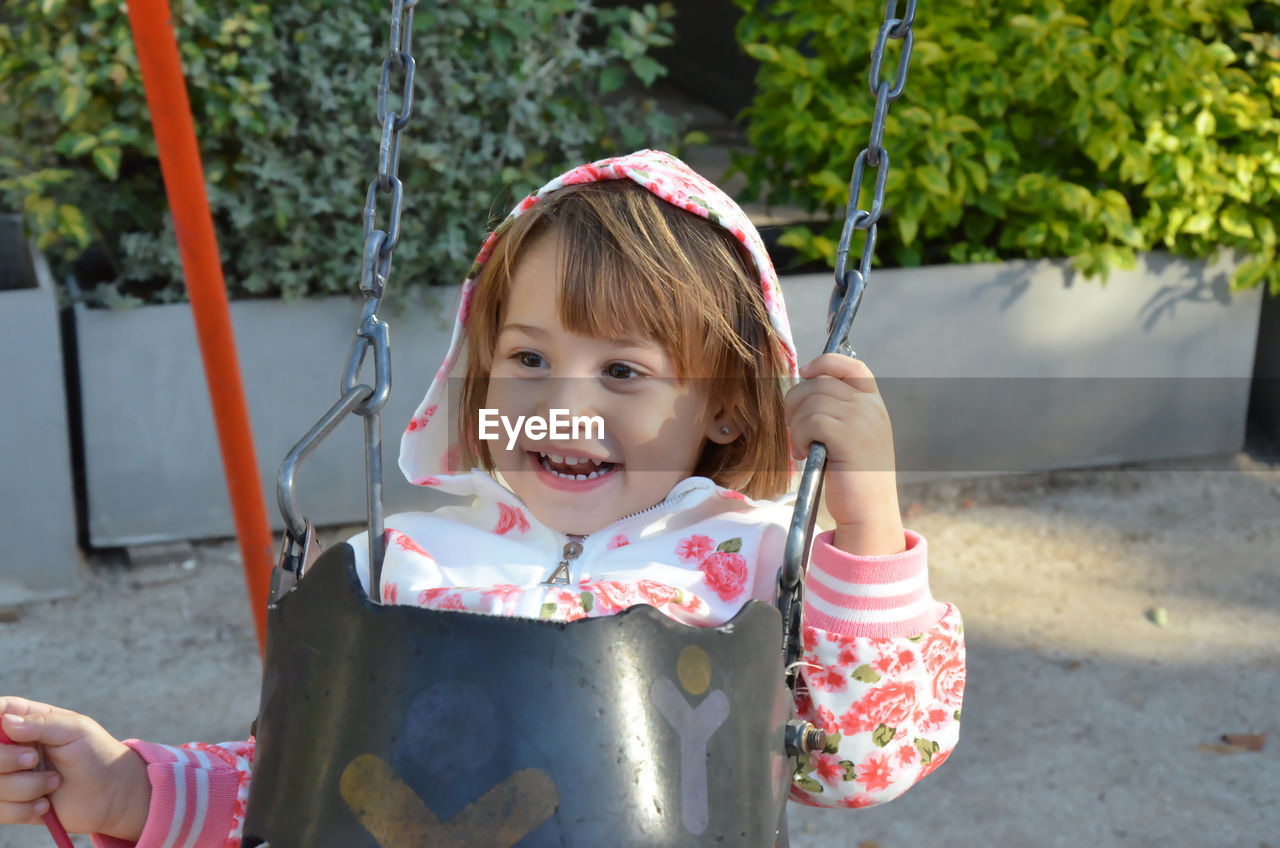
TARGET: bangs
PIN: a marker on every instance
(638, 267)
(609, 290)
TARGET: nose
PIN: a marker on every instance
(576, 394)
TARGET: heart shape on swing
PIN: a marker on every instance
(398, 818)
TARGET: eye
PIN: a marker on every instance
(527, 358)
(621, 371)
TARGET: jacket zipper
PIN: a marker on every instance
(574, 544)
(572, 549)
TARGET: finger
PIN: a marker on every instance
(801, 394)
(836, 398)
(818, 427)
(13, 705)
(23, 813)
(28, 785)
(52, 727)
(837, 423)
(17, 758)
(847, 369)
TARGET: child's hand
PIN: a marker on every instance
(96, 783)
(839, 405)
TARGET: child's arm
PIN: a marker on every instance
(885, 675)
(122, 792)
(198, 795)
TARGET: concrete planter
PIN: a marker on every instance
(1024, 366)
(985, 368)
(153, 468)
(37, 507)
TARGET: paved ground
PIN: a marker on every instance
(1086, 723)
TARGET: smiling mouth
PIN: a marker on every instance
(572, 467)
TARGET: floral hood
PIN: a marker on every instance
(429, 453)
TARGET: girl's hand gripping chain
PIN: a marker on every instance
(839, 405)
(97, 784)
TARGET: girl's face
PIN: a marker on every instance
(653, 428)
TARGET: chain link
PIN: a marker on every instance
(371, 332)
(845, 298)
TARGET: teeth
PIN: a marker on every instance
(548, 458)
(570, 460)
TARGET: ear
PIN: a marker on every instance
(723, 428)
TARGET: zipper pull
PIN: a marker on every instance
(572, 548)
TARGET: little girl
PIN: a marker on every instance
(634, 292)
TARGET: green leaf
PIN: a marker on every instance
(1266, 232)
(908, 228)
(612, 78)
(809, 784)
(71, 144)
(865, 674)
(547, 611)
(730, 545)
(1233, 220)
(801, 94)
(647, 69)
(849, 773)
(588, 601)
(1119, 11)
(1184, 169)
(1206, 124)
(1250, 273)
(108, 161)
(1198, 223)
(765, 53)
(1029, 184)
(915, 115)
(883, 735)
(976, 173)
(1107, 81)
(71, 100)
(927, 749)
(71, 223)
(933, 180)
(961, 124)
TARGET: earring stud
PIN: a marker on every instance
(724, 431)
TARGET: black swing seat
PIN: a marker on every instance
(395, 726)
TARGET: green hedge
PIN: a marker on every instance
(1032, 129)
(284, 97)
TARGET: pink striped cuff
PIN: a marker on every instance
(193, 799)
(875, 596)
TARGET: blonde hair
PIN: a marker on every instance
(638, 265)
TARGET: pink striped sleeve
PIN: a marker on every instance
(198, 795)
(873, 596)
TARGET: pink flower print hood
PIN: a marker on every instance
(429, 453)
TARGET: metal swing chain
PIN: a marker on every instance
(845, 298)
(298, 548)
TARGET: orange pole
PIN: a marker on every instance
(157, 49)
